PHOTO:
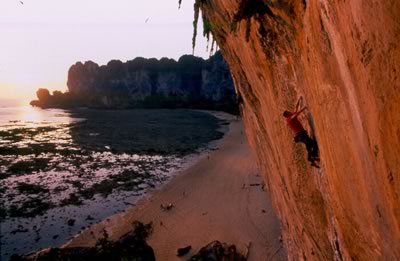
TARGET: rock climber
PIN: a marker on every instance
(301, 134)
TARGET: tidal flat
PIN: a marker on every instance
(66, 170)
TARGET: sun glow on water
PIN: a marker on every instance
(31, 115)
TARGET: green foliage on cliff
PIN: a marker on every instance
(207, 26)
(196, 7)
(247, 10)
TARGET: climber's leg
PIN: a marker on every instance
(301, 137)
(312, 148)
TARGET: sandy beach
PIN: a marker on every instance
(220, 197)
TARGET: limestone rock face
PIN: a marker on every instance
(190, 80)
(343, 57)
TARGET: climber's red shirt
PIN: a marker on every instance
(294, 123)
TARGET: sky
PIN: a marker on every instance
(41, 39)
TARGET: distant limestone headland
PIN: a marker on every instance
(190, 82)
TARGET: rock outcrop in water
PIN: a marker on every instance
(190, 82)
(343, 57)
(131, 246)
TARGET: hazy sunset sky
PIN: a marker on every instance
(41, 39)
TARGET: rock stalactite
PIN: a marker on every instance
(343, 57)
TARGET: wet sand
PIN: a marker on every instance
(221, 197)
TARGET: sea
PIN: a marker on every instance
(64, 170)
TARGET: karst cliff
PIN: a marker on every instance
(343, 57)
(190, 82)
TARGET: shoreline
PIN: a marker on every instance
(219, 197)
(52, 229)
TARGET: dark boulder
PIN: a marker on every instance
(217, 251)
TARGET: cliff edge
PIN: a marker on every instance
(343, 57)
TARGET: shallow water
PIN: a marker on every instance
(62, 170)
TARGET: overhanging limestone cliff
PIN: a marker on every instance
(343, 57)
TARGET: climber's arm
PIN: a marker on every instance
(297, 113)
(298, 103)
